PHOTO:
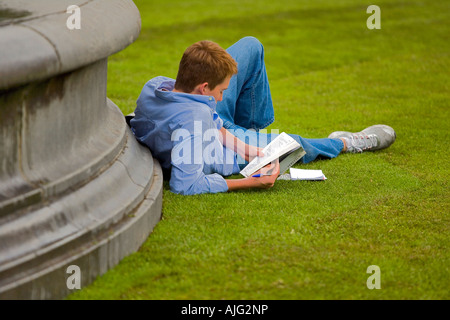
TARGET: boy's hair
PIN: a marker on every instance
(204, 61)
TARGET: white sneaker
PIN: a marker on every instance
(372, 138)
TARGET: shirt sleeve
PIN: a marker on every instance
(187, 176)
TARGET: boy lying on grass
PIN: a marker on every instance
(208, 123)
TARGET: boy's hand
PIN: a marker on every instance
(263, 182)
(270, 174)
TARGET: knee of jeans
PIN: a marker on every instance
(253, 44)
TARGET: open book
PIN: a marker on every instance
(284, 148)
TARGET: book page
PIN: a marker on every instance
(306, 174)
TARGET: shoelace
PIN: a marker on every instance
(361, 142)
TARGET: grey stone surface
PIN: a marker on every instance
(63, 138)
(104, 31)
(28, 57)
(111, 223)
(75, 185)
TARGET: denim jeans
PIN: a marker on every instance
(247, 107)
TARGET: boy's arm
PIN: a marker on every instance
(246, 151)
(188, 178)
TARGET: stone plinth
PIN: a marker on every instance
(75, 186)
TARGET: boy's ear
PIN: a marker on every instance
(201, 88)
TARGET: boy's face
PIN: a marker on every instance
(217, 92)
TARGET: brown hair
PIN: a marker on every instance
(204, 61)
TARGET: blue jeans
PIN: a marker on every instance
(247, 108)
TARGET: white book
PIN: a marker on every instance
(284, 148)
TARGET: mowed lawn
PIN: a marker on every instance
(307, 240)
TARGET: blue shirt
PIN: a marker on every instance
(182, 131)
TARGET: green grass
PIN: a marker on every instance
(307, 240)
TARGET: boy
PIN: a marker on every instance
(206, 124)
